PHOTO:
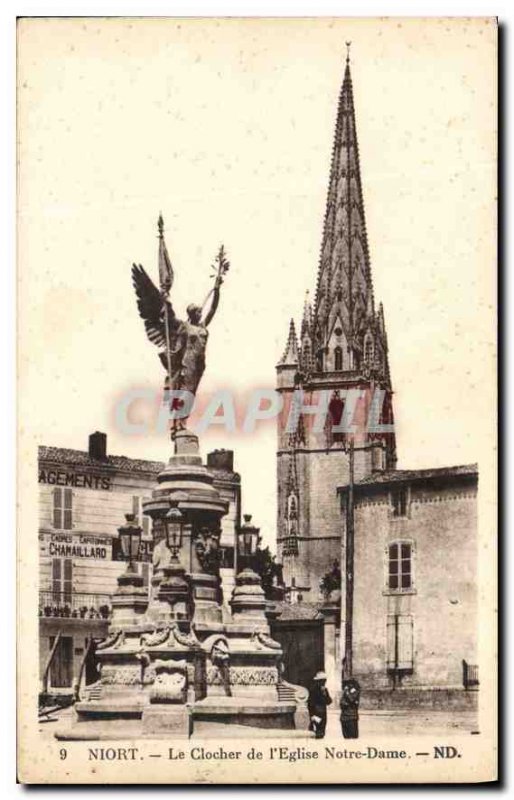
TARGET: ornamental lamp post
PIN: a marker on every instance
(173, 524)
(130, 540)
(247, 540)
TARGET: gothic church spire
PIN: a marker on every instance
(344, 293)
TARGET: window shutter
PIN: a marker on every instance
(391, 630)
(136, 508)
(400, 649)
(57, 508)
(56, 578)
(146, 520)
(67, 511)
(67, 579)
(405, 645)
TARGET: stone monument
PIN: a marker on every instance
(170, 663)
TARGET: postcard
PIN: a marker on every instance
(257, 400)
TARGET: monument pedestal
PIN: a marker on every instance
(164, 720)
(172, 660)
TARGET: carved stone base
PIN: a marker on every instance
(167, 720)
(218, 712)
(206, 594)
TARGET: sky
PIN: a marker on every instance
(226, 127)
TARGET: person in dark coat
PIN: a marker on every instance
(350, 699)
(318, 701)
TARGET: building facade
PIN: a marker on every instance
(396, 594)
(415, 604)
(83, 499)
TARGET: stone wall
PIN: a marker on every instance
(319, 473)
(441, 607)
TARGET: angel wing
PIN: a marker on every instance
(150, 307)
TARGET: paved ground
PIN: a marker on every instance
(406, 723)
(371, 723)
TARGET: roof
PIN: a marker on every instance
(81, 458)
(411, 475)
(292, 611)
(68, 456)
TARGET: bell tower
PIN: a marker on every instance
(338, 366)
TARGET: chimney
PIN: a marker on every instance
(98, 446)
(221, 459)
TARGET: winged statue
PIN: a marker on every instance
(181, 343)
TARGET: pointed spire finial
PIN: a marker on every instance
(160, 226)
(307, 313)
(348, 45)
(290, 356)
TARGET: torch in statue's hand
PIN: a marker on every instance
(221, 266)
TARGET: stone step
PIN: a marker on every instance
(286, 693)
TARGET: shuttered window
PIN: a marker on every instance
(63, 509)
(62, 579)
(400, 502)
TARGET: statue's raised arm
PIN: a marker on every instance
(181, 343)
(222, 266)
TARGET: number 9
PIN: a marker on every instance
(63, 753)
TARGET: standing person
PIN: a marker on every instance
(318, 701)
(350, 708)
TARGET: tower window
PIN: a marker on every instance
(368, 350)
(291, 511)
(338, 359)
(399, 577)
(400, 499)
(306, 354)
(319, 361)
(336, 411)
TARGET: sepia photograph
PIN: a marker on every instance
(257, 400)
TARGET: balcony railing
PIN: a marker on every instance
(74, 605)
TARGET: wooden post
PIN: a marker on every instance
(348, 638)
